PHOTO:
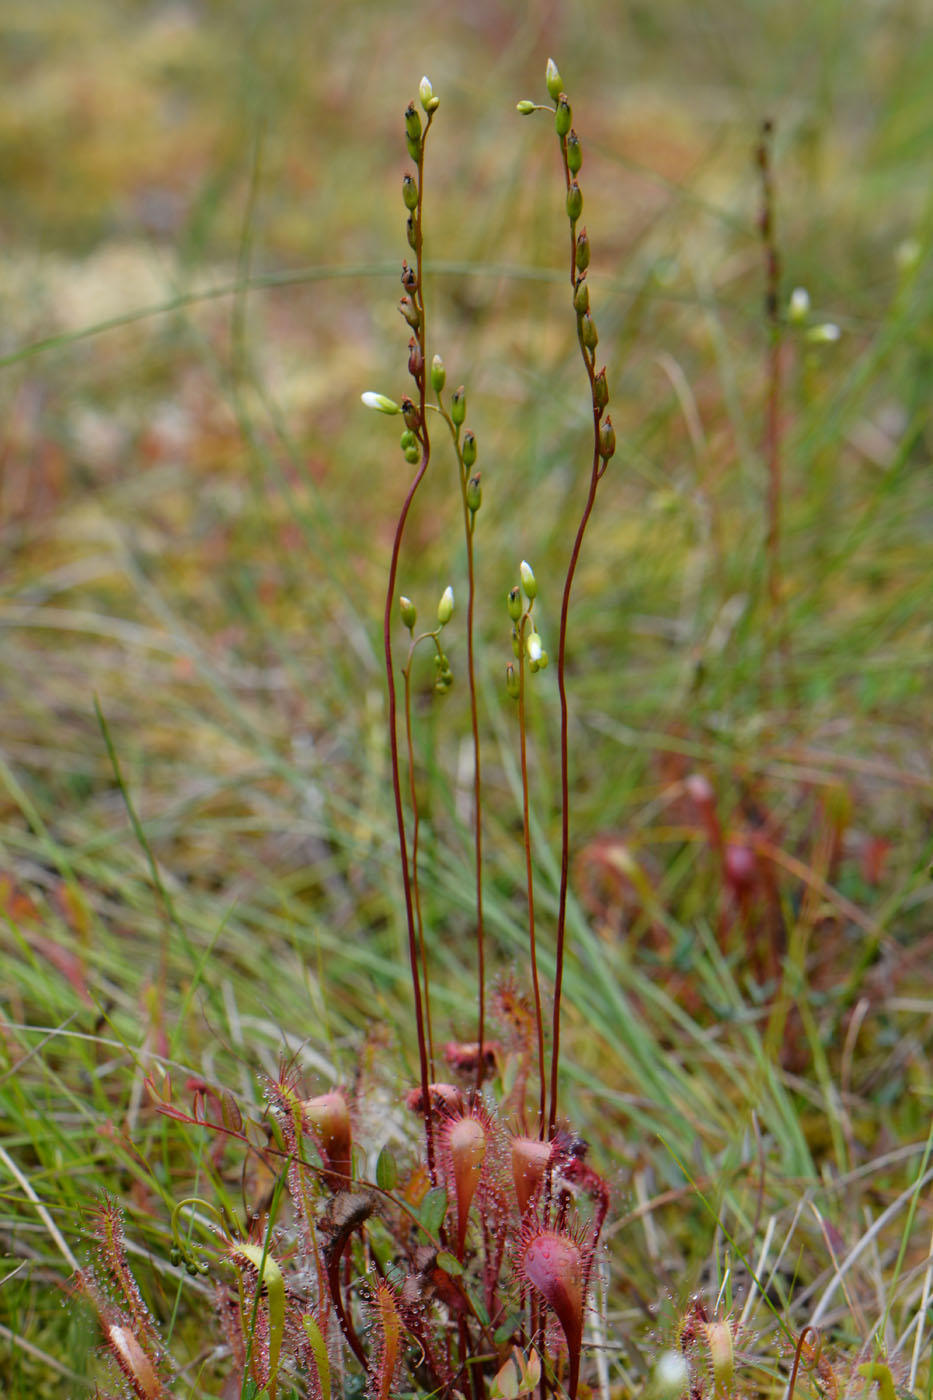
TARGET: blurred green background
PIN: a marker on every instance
(201, 232)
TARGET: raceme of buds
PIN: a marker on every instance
(444, 677)
(438, 374)
(574, 153)
(429, 102)
(408, 610)
(515, 603)
(469, 448)
(380, 402)
(563, 116)
(412, 123)
(474, 493)
(458, 406)
(553, 79)
(589, 332)
(574, 201)
(529, 582)
(581, 297)
(600, 390)
(607, 438)
(409, 194)
(583, 251)
(445, 608)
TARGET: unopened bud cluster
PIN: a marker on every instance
(525, 639)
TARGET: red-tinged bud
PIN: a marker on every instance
(581, 297)
(410, 311)
(574, 200)
(530, 1157)
(589, 332)
(466, 1143)
(553, 1264)
(562, 115)
(607, 438)
(574, 153)
(601, 393)
(410, 196)
(328, 1117)
(409, 276)
(583, 251)
(411, 415)
(415, 358)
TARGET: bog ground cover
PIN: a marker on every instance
(203, 229)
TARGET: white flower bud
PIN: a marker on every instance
(445, 608)
(528, 579)
(380, 402)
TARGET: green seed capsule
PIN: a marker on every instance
(458, 406)
(409, 192)
(469, 448)
(583, 251)
(474, 493)
(607, 439)
(581, 297)
(562, 116)
(412, 122)
(600, 390)
(589, 332)
(574, 201)
(574, 153)
(515, 603)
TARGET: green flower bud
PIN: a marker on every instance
(469, 448)
(409, 192)
(174, 1256)
(474, 493)
(458, 406)
(826, 334)
(553, 79)
(516, 648)
(583, 251)
(412, 123)
(607, 438)
(542, 661)
(562, 116)
(574, 202)
(414, 148)
(525, 107)
(380, 402)
(574, 153)
(407, 440)
(515, 603)
(581, 297)
(445, 608)
(529, 583)
(413, 454)
(438, 374)
(512, 687)
(798, 308)
(589, 332)
(409, 612)
(411, 230)
(600, 390)
(429, 102)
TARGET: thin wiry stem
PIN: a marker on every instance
(421, 432)
(597, 469)
(529, 873)
(415, 880)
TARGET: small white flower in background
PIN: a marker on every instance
(671, 1375)
(826, 334)
(798, 308)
